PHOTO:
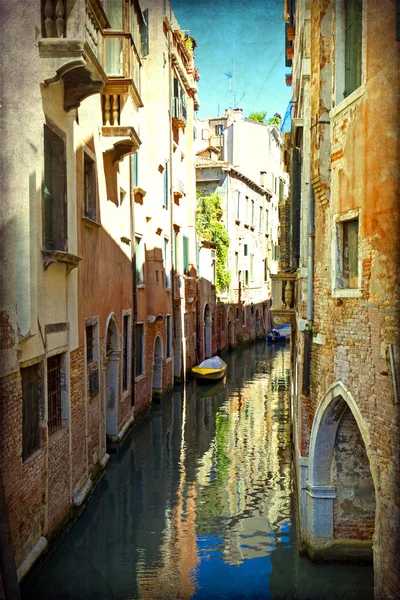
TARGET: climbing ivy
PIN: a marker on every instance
(209, 227)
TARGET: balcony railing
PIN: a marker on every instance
(179, 113)
(72, 47)
(283, 291)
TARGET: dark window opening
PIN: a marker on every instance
(54, 393)
(139, 340)
(31, 397)
(353, 45)
(89, 344)
(55, 192)
(125, 352)
(90, 188)
(350, 254)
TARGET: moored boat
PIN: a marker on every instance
(210, 369)
(279, 334)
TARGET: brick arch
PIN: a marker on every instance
(323, 433)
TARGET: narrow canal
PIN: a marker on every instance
(199, 504)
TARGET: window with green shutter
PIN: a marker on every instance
(353, 45)
(144, 33)
(185, 254)
(166, 190)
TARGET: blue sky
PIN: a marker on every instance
(251, 30)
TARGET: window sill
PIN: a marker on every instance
(169, 359)
(140, 378)
(53, 256)
(90, 223)
(32, 457)
(140, 286)
(347, 292)
(343, 104)
(237, 221)
(126, 393)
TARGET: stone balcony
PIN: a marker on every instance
(283, 298)
(71, 47)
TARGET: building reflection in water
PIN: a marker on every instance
(197, 504)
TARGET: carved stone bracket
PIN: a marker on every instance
(53, 256)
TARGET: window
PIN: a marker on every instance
(265, 269)
(252, 213)
(247, 210)
(246, 277)
(113, 9)
(166, 190)
(266, 221)
(139, 259)
(185, 244)
(169, 336)
(89, 344)
(238, 205)
(175, 248)
(353, 45)
(213, 266)
(167, 262)
(347, 274)
(244, 316)
(56, 393)
(260, 219)
(144, 33)
(90, 187)
(205, 134)
(113, 55)
(236, 262)
(126, 345)
(135, 169)
(219, 129)
(262, 178)
(139, 341)
(237, 314)
(31, 404)
(245, 249)
(179, 102)
(252, 267)
(55, 191)
(281, 190)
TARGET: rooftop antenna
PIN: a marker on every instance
(229, 75)
(234, 73)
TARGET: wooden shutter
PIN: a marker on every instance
(185, 254)
(353, 45)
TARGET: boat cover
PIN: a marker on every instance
(215, 362)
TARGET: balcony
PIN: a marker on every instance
(179, 113)
(72, 47)
(283, 297)
(121, 141)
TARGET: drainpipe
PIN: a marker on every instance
(310, 293)
(171, 200)
(134, 288)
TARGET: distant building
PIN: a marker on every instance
(250, 182)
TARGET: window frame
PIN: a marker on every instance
(60, 417)
(142, 356)
(168, 337)
(50, 197)
(337, 252)
(126, 352)
(31, 431)
(139, 255)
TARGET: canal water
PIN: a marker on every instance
(198, 504)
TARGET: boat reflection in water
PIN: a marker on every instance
(198, 503)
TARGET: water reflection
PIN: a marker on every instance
(197, 504)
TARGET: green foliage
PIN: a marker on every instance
(209, 227)
(258, 116)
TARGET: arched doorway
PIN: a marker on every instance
(157, 367)
(231, 328)
(340, 493)
(207, 332)
(112, 358)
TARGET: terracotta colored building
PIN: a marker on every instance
(343, 242)
(98, 243)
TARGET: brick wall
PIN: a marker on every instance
(354, 506)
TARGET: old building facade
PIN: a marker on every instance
(240, 161)
(98, 246)
(342, 237)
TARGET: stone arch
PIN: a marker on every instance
(112, 354)
(339, 432)
(207, 331)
